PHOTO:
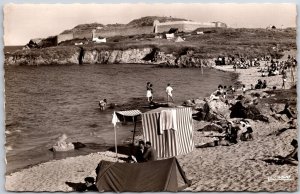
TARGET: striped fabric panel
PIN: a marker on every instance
(164, 144)
(171, 143)
(185, 130)
(129, 113)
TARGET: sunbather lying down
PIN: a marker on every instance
(291, 158)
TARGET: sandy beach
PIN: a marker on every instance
(237, 167)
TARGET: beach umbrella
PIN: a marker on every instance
(114, 121)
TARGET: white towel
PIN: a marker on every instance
(167, 120)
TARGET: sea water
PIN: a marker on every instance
(43, 102)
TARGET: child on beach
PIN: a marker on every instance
(149, 92)
(169, 90)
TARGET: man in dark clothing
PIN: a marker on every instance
(90, 184)
(140, 152)
(150, 153)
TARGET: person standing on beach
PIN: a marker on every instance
(169, 90)
(149, 91)
(283, 80)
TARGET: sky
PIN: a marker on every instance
(23, 22)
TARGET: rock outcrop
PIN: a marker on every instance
(65, 55)
(240, 110)
(212, 110)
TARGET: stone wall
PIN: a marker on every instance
(124, 31)
(64, 37)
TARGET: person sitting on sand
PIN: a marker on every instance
(244, 89)
(294, 154)
(231, 133)
(215, 96)
(150, 153)
(232, 89)
(259, 84)
(140, 152)
(90, 184)
(246, 136)
(224, 92)
(264, 84)
(291, 158)
(103, 104)
(287, 111)
(61, 145)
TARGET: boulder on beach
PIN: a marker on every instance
(212, 110)
(240, 110)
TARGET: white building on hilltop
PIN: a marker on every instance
(185, 26)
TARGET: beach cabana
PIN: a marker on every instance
(129, 115)
(154, 176)
(170, 130)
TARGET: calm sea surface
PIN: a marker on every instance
(44, 102)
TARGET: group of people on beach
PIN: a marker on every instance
(149, 93)
(222, 92)
(145, 153)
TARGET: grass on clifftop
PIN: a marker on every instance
(217, 42)
(228, 41)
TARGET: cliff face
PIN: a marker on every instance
(70, 55)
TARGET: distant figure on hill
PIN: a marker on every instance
(103, 104)
(81, 55)
(169, 90)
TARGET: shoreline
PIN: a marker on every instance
(131, 103)
(216, 171)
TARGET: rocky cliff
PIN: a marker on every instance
(70, 55)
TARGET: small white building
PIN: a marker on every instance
(97, 39)
(170, 36)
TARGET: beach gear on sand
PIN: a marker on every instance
(154, 176)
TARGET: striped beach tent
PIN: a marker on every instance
(170, 142)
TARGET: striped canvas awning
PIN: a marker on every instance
(171, 142)
(129, 113)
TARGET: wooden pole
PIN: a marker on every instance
(116, 147)
(134, 120)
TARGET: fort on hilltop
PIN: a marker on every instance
(152, 25)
